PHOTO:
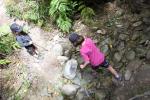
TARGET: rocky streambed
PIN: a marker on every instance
(123, 36)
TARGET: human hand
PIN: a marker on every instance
(30, 42)
(82, 66)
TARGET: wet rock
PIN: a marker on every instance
(117, 57)
(77, 79)
(134, 64)
(70, 69)
(143, 76)
(107, 82)
(135, 36)
(57, 50)
(118, 65)
(147, 30)
(99, 95)
(137, 24)
(101, 31)
(140, 51)
(145, 66)
(127, 75)
(69, 89)
(148, 55)
(146, 20)
(139, 28)
(121, 45)
(80, 94)
(130, 55)
(120, 30)
(123, 36)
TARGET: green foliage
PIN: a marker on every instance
(61, 10)
(4, 61)
(7, 41)
(65, 25)
(14, 11)
(28, 10)
(87, 13)
(31, 11)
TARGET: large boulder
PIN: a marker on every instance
(62, 59)
(80, 94)
(134, 64)
(117, 57)
(130, 55)
(146, 20)
(148, 55)
(70, 69)
(123, 37)
(139, 86)
(128, 75)
(99, 95)
(138, 23)
(70, 89)
(57, 50)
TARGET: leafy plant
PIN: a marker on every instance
(27, 9)
(31, 11)
(61, 10)
(86, 13)
(7, 41)
(4, 61)
(13, 10)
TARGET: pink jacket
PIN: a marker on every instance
(91, 53)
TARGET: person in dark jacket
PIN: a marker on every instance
(23, 39)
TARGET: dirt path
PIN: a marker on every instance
(46, 70)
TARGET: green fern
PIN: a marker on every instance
(86, 12)
(4, 61)
(64, 24)
(7, 40)
(61, 11)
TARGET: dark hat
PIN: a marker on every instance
(16, 28)
(73, 37)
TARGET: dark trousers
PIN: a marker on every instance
(31, 49)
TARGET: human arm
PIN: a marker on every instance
(86, 60)
(84, 65)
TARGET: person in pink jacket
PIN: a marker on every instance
(91, 54)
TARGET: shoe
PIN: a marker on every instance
(118, 78)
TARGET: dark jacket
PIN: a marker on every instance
(23, 40)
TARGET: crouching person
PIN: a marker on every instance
(91, 54)
(23, 39)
